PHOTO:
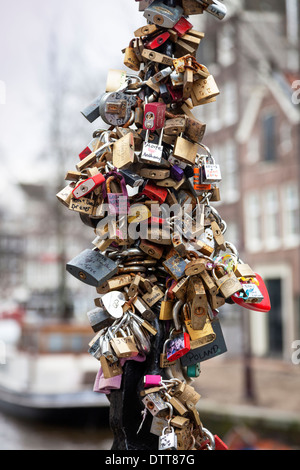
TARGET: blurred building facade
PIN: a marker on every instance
(253, 131)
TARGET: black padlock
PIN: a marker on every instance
(92, 268)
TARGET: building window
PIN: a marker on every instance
(269, 138)
(271, 219)
(252, 218)
(253, 150)
(226, 45)
(229, 170)
(286, 141)
(291, 214)
(229, 103)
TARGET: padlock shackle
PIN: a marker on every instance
(117, 176)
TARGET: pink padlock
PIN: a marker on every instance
(152, 380)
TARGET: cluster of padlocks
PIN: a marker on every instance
(145, 186)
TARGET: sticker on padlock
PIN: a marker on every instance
(152, 152)
(178, 347)
(214, 7)
(210, 173)
(250, 293)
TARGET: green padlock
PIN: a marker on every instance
(194, 370)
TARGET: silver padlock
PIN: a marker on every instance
(113, 107)
(99, 319)
(163, 15)
(154, 403)
(92, 268)
(210, 172)
(168, 439)
(251, 294)
(144, 309)
(107, 350)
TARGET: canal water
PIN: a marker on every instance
(20, 434)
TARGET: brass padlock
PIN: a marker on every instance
(65, 195)
(244, 270)
(154, 173)
(115, 283)
(194, 130)
(153, 250)
(192, 7)
(208, 282)
(166, 309)
(153, 297)
(123, 151)
(124, 345)
(218, 236)
(110, 369)
(228, 284)
(204, 89)
(196, 297)
(185, 150)
(130, 59)
(196, 266)
(180, 289)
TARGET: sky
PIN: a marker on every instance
(88, 37)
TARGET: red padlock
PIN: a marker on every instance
(154, 116)
(220, 445)
(175, 93)
(87, 186)
(182, 27)
(157, 41)
(155, 193)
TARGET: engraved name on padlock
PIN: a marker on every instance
(92, 268)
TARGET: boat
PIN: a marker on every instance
(46, 372)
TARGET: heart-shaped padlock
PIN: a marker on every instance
(264, 306)
(113, 303)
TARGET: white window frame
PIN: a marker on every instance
(271, 218)
(253, 222)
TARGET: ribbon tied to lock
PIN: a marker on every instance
(118, 202)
